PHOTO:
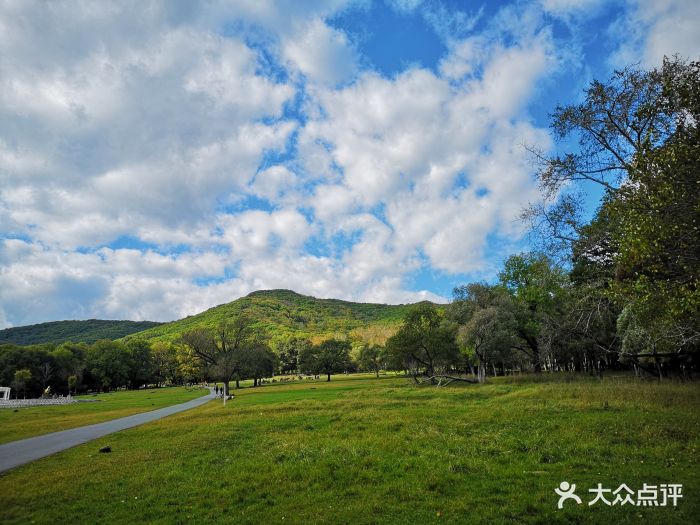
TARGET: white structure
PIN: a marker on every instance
(4, 393)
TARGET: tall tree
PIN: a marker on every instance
(638, 139)
(164, 362)
(487, 326)
(220, 349)
(288, 352)
(618, 121)
(257, 361)
(371, 357)
(140, 362)
(329, 357)
(108, 365)
(424, 343)
(538, 289)
(21, 378)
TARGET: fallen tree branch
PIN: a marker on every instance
(447, 379)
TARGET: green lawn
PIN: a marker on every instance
(381, 451)
(28, 422)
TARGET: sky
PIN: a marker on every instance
(160, 158)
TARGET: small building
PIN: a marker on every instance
(4, 393)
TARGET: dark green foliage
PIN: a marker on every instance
(658, 212)
(487, 325)
(107, 365)
(538, 289)
(638, 138)
(140, 362)
(372, 358)
(102, 366)
(329, 357)
(425, 343)
(288, 353)
(234, 350)
(257, 362)
(57, 332)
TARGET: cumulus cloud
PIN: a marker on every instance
(246, 145)
(442, 154)
(321, 53)
(651, 29)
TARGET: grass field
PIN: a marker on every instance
(27, 422)
(362, 450)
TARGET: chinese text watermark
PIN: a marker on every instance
(661, 495)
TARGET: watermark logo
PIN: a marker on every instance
(661, 495)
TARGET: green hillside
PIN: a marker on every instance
(281, 314)
(76, 331)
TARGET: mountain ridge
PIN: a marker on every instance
(279, 313)
(77, 331)
(282, 314)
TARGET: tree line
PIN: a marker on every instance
(233, 351)
(70, 368)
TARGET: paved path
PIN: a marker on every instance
(18, 453)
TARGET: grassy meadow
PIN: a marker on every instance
(33, 421)
(365, 450)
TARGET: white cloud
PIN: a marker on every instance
(276, 184)
(444, 156)
(161, 129)
(652, 29)
(320, 52)
(568, 8)
(406, 6)
(257, 234)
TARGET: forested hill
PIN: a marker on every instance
(282, 314)
(76, 331)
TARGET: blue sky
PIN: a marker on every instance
(160, 158)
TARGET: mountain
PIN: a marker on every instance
(76, 331)
(282, 314)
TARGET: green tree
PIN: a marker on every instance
(288, 352)
(329, 357)
(658, 212)
(371, 357)
(617, 122)
(220, 349)
(638, 139)
(164, 362)
(188, 367)
(487, 326)
(72, 384)
(21, 378)
(257, 362)
(424, 343)
(538, 289)
(107, 363)
(140, 362)
(69, 360)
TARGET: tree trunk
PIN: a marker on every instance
(535, 348)
(329, 376)
(481, 373)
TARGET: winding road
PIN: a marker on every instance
(23, 451)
